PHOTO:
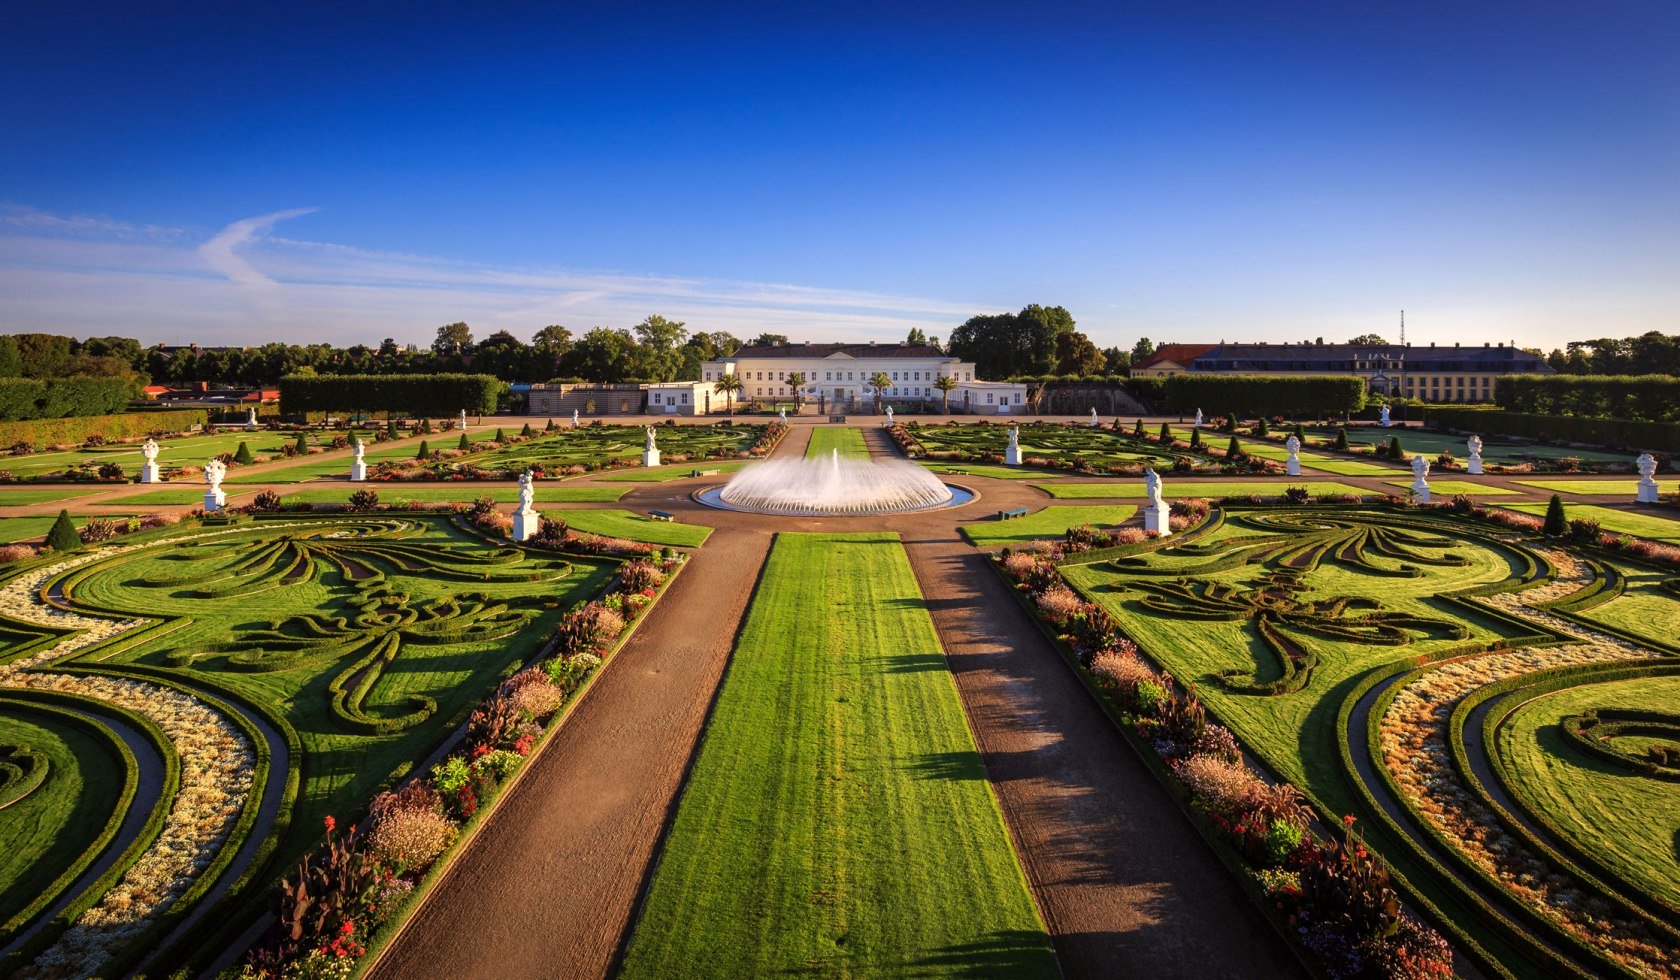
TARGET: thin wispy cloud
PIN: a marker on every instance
(221, 253)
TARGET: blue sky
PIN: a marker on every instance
(1186, 171)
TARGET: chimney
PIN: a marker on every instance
(872, 343)
(1486, 344)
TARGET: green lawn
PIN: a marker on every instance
(1619, 521)
(636, 527)
(1101, 447)
(1051, 522)
(1627, 821)
(333, 464)
(995, 472)
(838, 819)
(664, 474)
(172, 452)
(1191, 488)
(392, 493)
(705, 443)
(1493, 450)
(24, 498)
(1451, 488)
(28, 528)
(1343, 467)
(848, 441)
(180, 495)
(1606, 488)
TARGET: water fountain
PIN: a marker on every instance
(833, 487)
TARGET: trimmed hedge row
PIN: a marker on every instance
(1663, 437)
(412, 395)
(1637, 398)
(34, 398)
(111, 428)
(1263, 396)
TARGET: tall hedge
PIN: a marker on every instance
(414, 395)
(1633, 398)
(127, 425)
(1256, 396)
(1660, 437)
(33, 398)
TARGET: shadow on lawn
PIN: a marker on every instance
(1012, 952)
(960, 765)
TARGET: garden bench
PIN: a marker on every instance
(1004, 515)
(956, 472)
(705, 473)
(837, 419)
(660, 515)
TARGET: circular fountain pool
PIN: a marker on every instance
(833, 487)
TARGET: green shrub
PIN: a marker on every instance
(1556, 524)
(425, 451)
(302, 443)
(1264, 396)
(1195, 438)
(1663, 437)
(500, 435)
(1166, 434)
(1234, 449)
(111, 428)
(1631, 398)
(1342, 440)
(463, 443)
(400, 394)
(63, 536)
(242, 455)
(1394, 451)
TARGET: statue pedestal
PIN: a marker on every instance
(1156, 519)
(650, 457)
(525, 524)
(149, 473)
(1292, 466)
(1647, 491)
(358, 472)
(1012, 456)
(214, 500)
(1420, 490)
(1476, 465)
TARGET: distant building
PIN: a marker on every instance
(1435, 374)
(837, 376)
(201, 394)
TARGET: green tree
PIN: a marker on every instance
(1142, 349)
(880, 383)
(425, 450)
(916, 336)
(1234, 450)
(768, 340)
(1075, 354)
(603, 355)
(11, 362)
(1116, 361)
(1166, 435)
(1368, 339)
(464, 442)
(63, 536)
(242, 455)
(729, 386)
(452, 338)
(44, 355)
(796, 381)
(302, 444)
(946, 384)
(660, 339)
(1556, 524)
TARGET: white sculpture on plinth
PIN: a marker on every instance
(251, 422)
(1198, 418)
(358, 466)
(1385, 416)
(889, 415)
(574, 418)
(214, 498)
(1156, 516)
(463, 420)
(149, 469)
(1292, 465)
(1647, 465)
(650, 452)
(1474, 444)
(1012, 452)
(526, 519)
(781, 413)
(1094, 422)
(1420, 486)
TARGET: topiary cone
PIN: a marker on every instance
(63, 536)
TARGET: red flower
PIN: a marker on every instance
(348, 929)
(331, 823)
(1347, 821)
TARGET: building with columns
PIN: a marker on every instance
(836, 376)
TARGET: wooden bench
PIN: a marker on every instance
(1004, 515)
(956, 472)
(837, 419)
(660, 515)
(705, 473)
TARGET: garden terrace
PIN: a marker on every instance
(568, 451)
(1376, 657)
(838, 736)
(174, 454)
(1495, 452)
(252, 679)
(1069, 446)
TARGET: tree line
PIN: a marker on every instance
(1648, 353)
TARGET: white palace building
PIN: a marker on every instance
(837, 377)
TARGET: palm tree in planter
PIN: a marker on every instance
(796, 381)
(730, 386)
(880, 382)
(946, 384)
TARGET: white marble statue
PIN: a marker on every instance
(889, 415)
(1094, 422)
(358, 466)
(214, 498)
(251, 422)
(1012, 452)
(463, 420)
(574, 418)
(1474, 444)
(1385, 416)
(1156, 515)
(1647, 465)
(1292, 465)
(526, 519)
(1420, 485)
(149, 469)
(781, 413)
(1198, 418)
(650, 452)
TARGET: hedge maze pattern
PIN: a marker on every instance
(179, 713)
(1490, 707)
(1086, 448)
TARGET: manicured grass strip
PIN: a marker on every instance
(1607, 488)
(1051, 522)
(1617, 521)
(183, 495)
(995, 472)
(28, 528)
(827, 439)
(338, 463)
(1343, 467)
(663, 474)
(838, 819)
(1191, 488)
(392, 493)
(636, 527)
(1454, 487)
(23, 498)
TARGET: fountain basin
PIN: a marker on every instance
(833, 487)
